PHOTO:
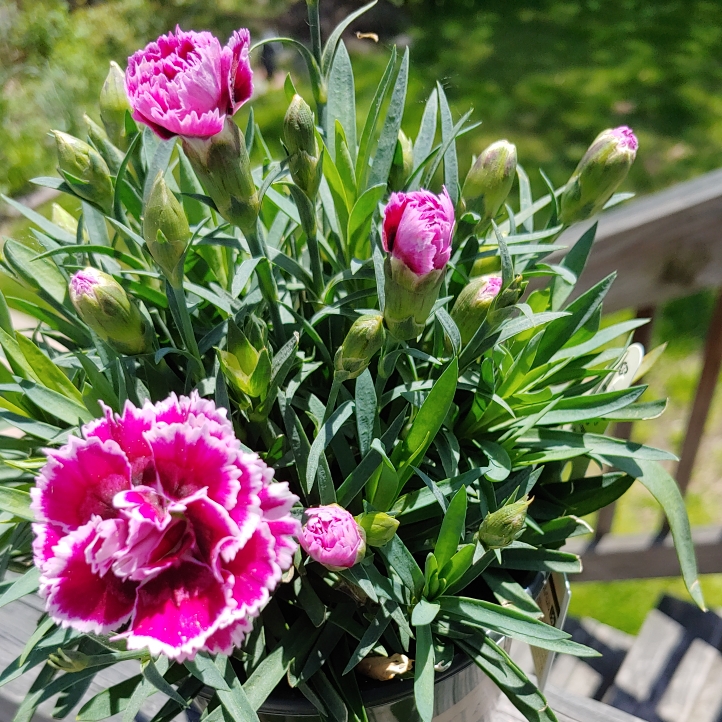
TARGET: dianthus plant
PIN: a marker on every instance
(278, 419)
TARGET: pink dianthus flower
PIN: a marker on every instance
(332, 537)
(186, 84)
(158, 520)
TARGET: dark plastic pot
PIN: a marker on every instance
(461, 692)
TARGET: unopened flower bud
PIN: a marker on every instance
(378, 526)
(332, 537)
(98, 137)
(473, 303)
(104, 305)
(364, 339)
(113, 106)
(299, 134)
(489, 180)
(503, 526)
(84, 170)
(403, 162)
(247, 368)
(417, 234)
(599, 173)
(166, 230)
(68, 660)
(223, 167)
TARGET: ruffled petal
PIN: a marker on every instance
(225, 640)
(189, 459)
(177, 611)
(79, 482)
(240, 78)
(79, 597)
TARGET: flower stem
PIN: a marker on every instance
(186, 325)
(266, 282)
(314, 23)
(332, 396)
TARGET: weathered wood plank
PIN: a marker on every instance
(663, 246)
(640, 557)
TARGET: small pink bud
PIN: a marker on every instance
(332, 537)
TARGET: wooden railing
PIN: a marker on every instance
(663, 246)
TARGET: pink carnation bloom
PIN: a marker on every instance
(417, 229)
(625, 136)
(157, 519)
(332, 537)
(186, 83)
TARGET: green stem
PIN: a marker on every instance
(314, 23)
(316, 268)
(390, 345)
(267, 283)
(332, 396)
(186, 326)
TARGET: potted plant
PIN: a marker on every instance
(288, 429)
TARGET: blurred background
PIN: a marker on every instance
(546, 74)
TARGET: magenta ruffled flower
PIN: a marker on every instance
(157, 520)
(626, 137)
(417, 229)
(186, 84)
(332, 537)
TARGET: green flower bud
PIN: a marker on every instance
(364, 339)
(599, 173)
(247, 369)
(223, 167)
(68, 660)
(403, 162)
(379, 527)
(104, 305)
(489, 180)
(113, 106)
(299, 134)
(166, 230)
(111, 155)
(409, 298)
(485, 266)
(505, 525)
(84, 170)
(473, 303)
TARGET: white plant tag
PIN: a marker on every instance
(628, 366)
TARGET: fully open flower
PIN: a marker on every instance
(332, 537)
(185, 83)
(417, 235)
(158, 519)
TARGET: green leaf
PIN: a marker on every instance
(497, 665)
(584, 496)
(26, 584)
(541, 560)
(399, 557)
(384, 156)
(499, 460)
(158, 164)
(233, 697)
(46, 371)
(359, 222)
(457, 566)
(371, 635)
(154, 676)
(372, 119)
(365, 397)
(581, 310)
(43, 275)
(16, 502)
(424, 673)
(56, 232)
(450, 329)
(451, 164)
(333, 39)
(575, 260)
(427, 422)
(144, 690)
(601, 338)
(341, 102)
(322, 440)
(424, 613)
(56, 404)
(452, 529)
(664, 489)
(203, 668)
(427, 131)
(510, 593)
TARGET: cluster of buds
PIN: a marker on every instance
(105, 307)
(247, 362)
(364, 339)
(599, 173)
(299, 134)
